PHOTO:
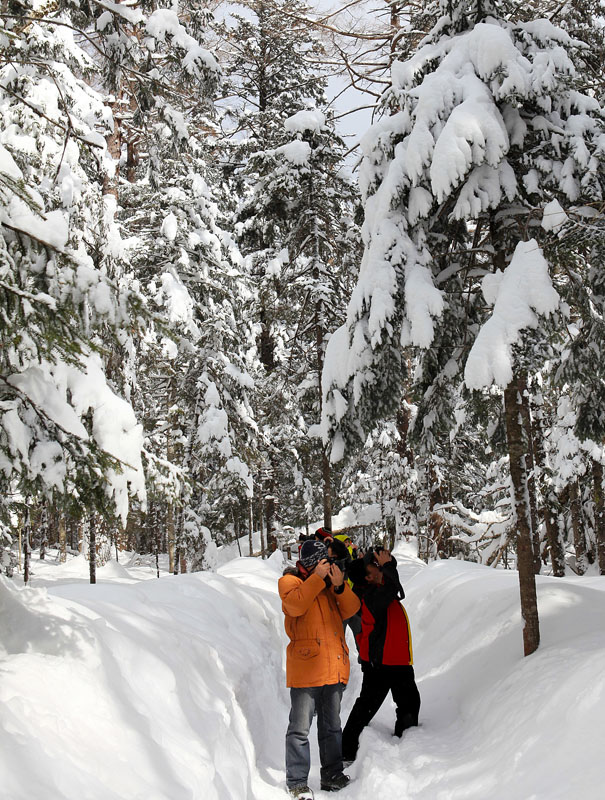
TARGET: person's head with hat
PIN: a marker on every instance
(323, 534)
(311, 553)
(368, 568)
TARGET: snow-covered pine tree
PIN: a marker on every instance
(493, 136)
(382, 474)
(572, 474)
(271, 60)
(291, 222)
(194, 382)
(581, 252)
(319, 237)
(66, 437)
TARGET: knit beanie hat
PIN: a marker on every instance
(323, 533)
(312, 552)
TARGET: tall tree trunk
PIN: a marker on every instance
(395, 9)
(73, 533)
(423, 546)
(152, 533)
(263, 552)
(548, 510)
(134, 531)
(320, 337)
(577, 523)
(271, 508)
(326, 470)
(152, 518)
(62, 539)
(251, 528)
(599, 513)
(180, 559)
(170, 455)
(179, 552)
(237, 528)
(531, 472)
(92, 548)
(406, 500)
(43, 531)
(114, 147)
(517, 448)
(266, 341)
(132, 159)
(26, 548)
(182, 550)
(555, 546)
(170, 536)
(391, 532)
(437, 530)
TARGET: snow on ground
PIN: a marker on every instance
(173, 688)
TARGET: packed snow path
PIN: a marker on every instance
(173, 689)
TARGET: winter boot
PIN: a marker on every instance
(335, 783)
(301, 792)
(403, 723)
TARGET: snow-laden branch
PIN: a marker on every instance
(518, 295)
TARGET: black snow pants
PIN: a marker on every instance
(377, 683)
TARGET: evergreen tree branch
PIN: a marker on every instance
(58, 125)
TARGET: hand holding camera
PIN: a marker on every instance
(336, 575)
(323, 568)
(383, 556)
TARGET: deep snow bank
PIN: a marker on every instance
(164, 689)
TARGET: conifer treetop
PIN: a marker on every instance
(488, 120)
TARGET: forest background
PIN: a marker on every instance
(222, 314)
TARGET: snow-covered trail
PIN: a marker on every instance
(173, 689)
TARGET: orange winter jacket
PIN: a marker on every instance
(317, 654)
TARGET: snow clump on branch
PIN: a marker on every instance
(524, 287)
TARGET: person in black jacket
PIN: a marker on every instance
(385, 649)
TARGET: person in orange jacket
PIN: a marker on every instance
(315, 601)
